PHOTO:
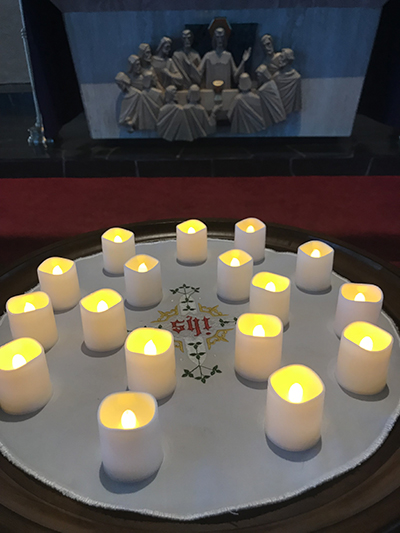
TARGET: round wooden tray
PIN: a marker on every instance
(365, 499)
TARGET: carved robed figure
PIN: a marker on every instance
(128, 116)
(245, 113)
(271, 102)
(288, 81)
(172, 123)
(187, 61)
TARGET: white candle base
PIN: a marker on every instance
(117, 252)
(143, 288)
(294, 426)
(252, 242)
(130, 455)
(360, 370)
(233, 282)
(313, 274)
(191, 242)
(256, 357)
(349, 310)
(27, 388)
(105, 330)
(270, 294)
(38, 323)
(154, 374)
(63, 288)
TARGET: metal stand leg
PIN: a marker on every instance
(36, 132)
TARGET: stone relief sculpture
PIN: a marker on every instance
(287, 80)
(271, 102)
(135, 71)
(219, 64)
(187, 60)
(172, 123)
(245, 113)
(270, 57)
(128, 117)
(151, 100)
(156, 87)
(200, 123)
(165, 68)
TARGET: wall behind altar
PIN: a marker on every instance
(13, 67)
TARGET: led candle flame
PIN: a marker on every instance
(359, 297)
(367, 343)
(117, 238)
(57, 270)
(250, 229)
(29, 307)
(259, 331)
(295, 394)
(315, 253)
(270, 286)
(128, 419)
(150, 348)
(102, 306)
(142, 267)
(18, 360)
(191, 230)
(235, 262)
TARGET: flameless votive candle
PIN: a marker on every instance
(363, 359)
(24, 377)
(191, 242)
(258, 345)
(31, 315)
(357, 301)
(234, 273)
(250, 237)
(58, 278)
(118, 246)
(295, 404)
(143, 281)
(314, 265)
(150, 361)
(270, 294)
(103, 320)
(130, 436)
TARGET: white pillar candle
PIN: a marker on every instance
(295, 404)
(258, 345)
(314, 265)
(150, 361)
(32, 315)
(143, 281)
(363, 359)
(270, 294)
(357, 301)
(250, 236)
(130, 436)
(58, 278)
(118, 246)
(191, 242)
(234, 273)
(24, 377)
(103, 320)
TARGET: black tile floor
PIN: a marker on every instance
(373, 149)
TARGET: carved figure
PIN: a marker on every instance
(270, 57)
(135, 72)
(172, 123)
(219, 64)
(165, 68)
(187, 60)
(288, 81)
(245, 113)
(128, 116)
(145, 57)
(271, 103)
(200, 123)
(151, 100)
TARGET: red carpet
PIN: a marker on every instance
(364, 211)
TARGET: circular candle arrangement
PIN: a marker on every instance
(131, 438)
